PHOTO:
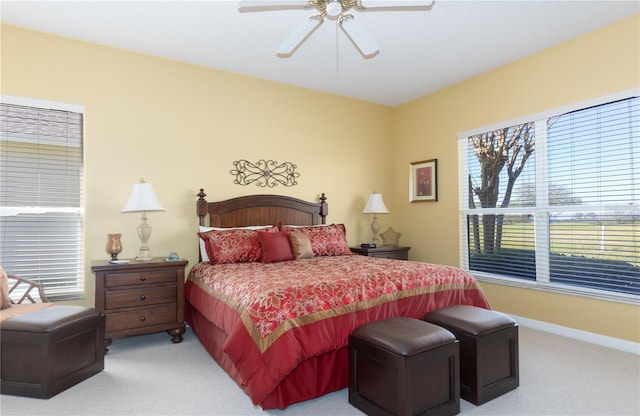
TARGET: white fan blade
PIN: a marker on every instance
(264, 4)
(359, 36)
(374, 4)
(298, 36)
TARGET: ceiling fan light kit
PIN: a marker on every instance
(335, 10)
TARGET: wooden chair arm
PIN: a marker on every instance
(27, 292)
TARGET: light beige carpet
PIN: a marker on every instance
(148, 375)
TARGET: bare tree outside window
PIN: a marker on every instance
(507, 148)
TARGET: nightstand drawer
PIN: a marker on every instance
(140, 278)
(383, 252)
(140, 297)
(141, 318)
(390, 255)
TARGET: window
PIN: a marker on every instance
(553, 200)
(41, 194)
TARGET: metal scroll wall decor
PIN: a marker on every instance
(265, 173)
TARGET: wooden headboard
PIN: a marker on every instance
(261, 210)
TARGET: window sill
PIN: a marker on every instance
(557, 288)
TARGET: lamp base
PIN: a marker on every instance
(144, 254)
(374, 228)
(144, 232)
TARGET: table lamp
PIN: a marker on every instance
(144, 200)
(375, 205)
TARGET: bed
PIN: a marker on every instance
(277, 323)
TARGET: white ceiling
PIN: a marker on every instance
(420, 51)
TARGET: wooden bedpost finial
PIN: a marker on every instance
(324, 208)
(201, 194)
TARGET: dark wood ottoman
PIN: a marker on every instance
(404, 366)
(47, 351)
(488, 350)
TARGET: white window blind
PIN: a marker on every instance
(595, 235)
(567, 216)
(42, 196)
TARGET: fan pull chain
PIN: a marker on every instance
(337, 54)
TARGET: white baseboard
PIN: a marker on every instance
(619, 344)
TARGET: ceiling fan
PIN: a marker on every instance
(334, 10)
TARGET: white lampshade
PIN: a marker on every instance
(142, 199)
(375, 205)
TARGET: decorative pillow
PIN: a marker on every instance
(275, 246)
(234, 245)
(5, 301)
(300, 245)
(327, 240)
(201, 229)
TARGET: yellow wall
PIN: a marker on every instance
(593, 65)
(181, 126)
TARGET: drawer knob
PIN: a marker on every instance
(143, 278)
(142, 297)
(142, 319)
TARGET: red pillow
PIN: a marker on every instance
(275, 247)
(233, 245)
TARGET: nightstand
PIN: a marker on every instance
(384, 252)
(141, 297)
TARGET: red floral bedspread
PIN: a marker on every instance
(279, 314)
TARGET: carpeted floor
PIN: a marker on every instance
(148, 375)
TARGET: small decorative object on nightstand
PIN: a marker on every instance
(384, 252)
(391, 237)
(141, 297)
(173, 256)
(114, 245)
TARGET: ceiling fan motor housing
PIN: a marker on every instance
(334, 8)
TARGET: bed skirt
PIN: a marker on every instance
(312, 378)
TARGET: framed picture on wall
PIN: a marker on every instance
(423, 181)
